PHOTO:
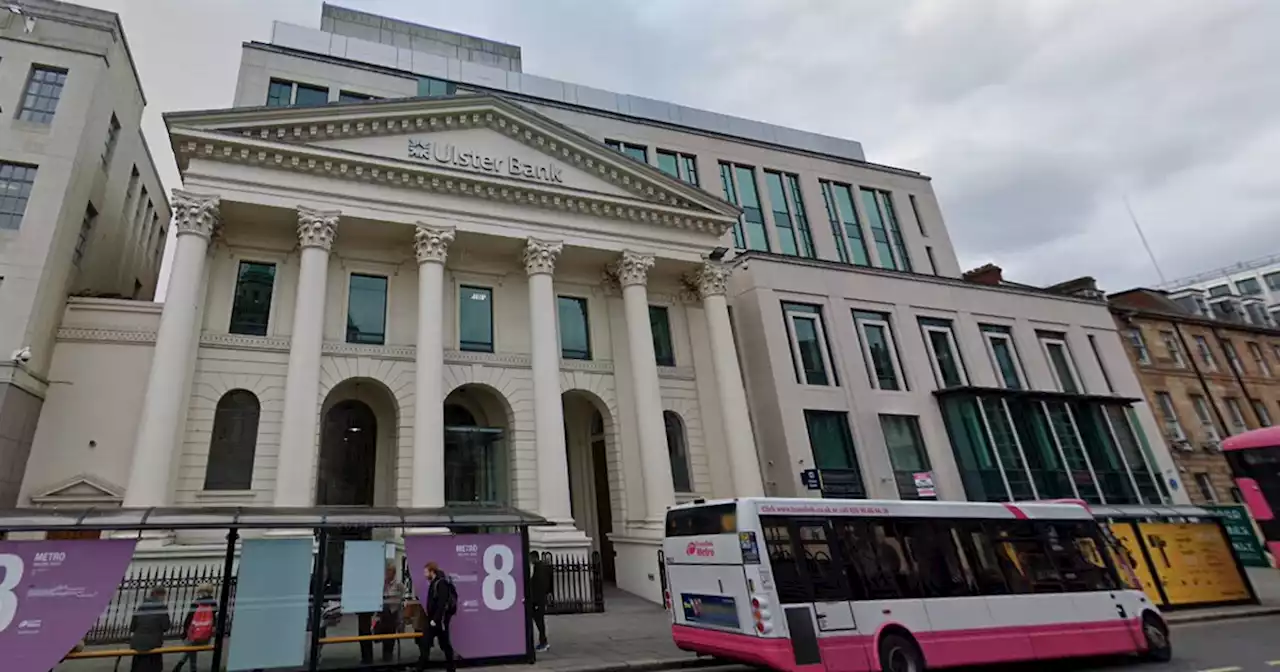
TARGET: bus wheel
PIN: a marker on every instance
(900, 654)
(1157, 635)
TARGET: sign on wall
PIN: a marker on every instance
(488, 571)
(1194, 563)
(460, 156)
(1131, 547)
(1242, 535)
(51, 592)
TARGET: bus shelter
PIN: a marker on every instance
(1182, 555)
(326, 588)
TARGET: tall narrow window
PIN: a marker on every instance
(1173, 428)
(251, 307)
(683, 167)
(1233, 359)
(367, 309)
(678, 451)
(789, 217)
(16, 180)
(879, 350)
(885, 231)
(279, 93)
(731, 195)
(660, 325)
(1060, 361)
(833, 453)
(1004, 356)
(1205, 485)
(44, 90)
(740, 189)
(915, 211)
(113, 134)
(575, 328)
(940, 340)
(1260, 409)
(1235, 413)
(845, 228)
(1259, 358)
(808, 337)
(1206, 354)
(1138, 345)
(1102, 365)
(907, 455)
(933, 263)
(86, 232)
(1201, 408)
(475, 319)
(638, 152)
(1170, 341)
(233, 442)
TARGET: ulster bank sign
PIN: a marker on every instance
(448, 154)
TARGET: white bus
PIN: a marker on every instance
(851, 585)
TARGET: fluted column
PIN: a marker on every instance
(296, 467)
(734, 413)
(632, 270)
(195, 218)
(431, 246)
(548, 409)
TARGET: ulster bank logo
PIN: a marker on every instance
(448, 154)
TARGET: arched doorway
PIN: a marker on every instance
(476, 464)
(587, 424)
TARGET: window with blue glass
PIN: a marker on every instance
(638, 152)
(307, 96)
(279, 93)
(283, 93)
(430, 86)
(1004, 356)
(367, 309)
(475, 319)
(811, 355)
(885, 232)
(251, 307)
(794, 237)
(845, 228)
(660, 325)
(740, 189)
(683, 167)
(575, 328)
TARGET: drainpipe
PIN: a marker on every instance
(1204, 384)
(1236, 373)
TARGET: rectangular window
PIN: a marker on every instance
(351, 97)
(1060, 361)
(279, 93)
(283, 93)
(1201, 407)
(1273, 281)
(940, 340)
(575, 328)
(879, 350)
(1170, 341)
(907, 455)
(1219, 290)
(1138, 345)
(1004, 355)
(475, 319)
(833, 453)
(307, 96)
(663, 346)
(1173, 428)
(794, 237)
(739, 184)
(915, 211)
(1205, 485)
(683, 167)
(86, 231)
(251, 308)
(113, 134)
(933, 263)
(850, 244)
(807, 333)
(1097, 356)
(367, 309)
(16, 180)
(1206, 354)
(638, 152)
(885, 232)
(430, 86)
(1260, 409)
(1249, 286)
(1235, 413)
(1259, 357)
(44, 89)
(1233, 359)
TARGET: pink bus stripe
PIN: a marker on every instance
(1017, 512)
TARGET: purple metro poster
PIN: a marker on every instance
(488, 571)
(51, 592)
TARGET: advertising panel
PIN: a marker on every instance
(273, 591)
(488, 571)
(719, 611)
(1194, 563)
(51, 592)
(1127, 537)
(1241, 533)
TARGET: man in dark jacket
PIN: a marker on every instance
(149, 624)
(539, 591)
(437, 610)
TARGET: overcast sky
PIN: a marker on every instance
(1034, 118)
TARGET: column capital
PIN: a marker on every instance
(540, 255)
(711, 279)
(632, 268)
(316, 228)
(195, 214)
(431, 244)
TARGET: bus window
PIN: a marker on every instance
(933, 557)
(824, 572)
(782, 559)
(981, 554)
(1075, 553)
(1021, 550)
(702, 521)
(868, 578)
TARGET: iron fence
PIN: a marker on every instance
(577, 584)
(112, 626)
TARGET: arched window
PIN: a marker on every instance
(235, 437)
(678, 451)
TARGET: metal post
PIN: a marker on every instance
(317, 598)
(528, 605)
(224, 597)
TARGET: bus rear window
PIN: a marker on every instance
(702, 520)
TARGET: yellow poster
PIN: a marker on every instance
(1194, 562)
(1128, 539)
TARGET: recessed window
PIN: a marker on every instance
(660, 324)
(1235, 413)
(1233, 359)
(1170, 341)
(575, 328)
(233, 442)
(1138, 345)
(638, 152)
(915, 211)
(430, 86)
(1259, 358)
(833, 453)
(879, 350)
(1102, 365)
(885, 232)
(283, 93)
(1219, 290)
(940, 340)
(352, 97)
(113, 134)
(279, 93)
(1249, 286)
(251, 308)
(1206, 354)
(86, 232)
(1004, 356)
(1273, 281)
(475, 319)
(1172, 427)
(1205, 485)
(807, 334)
(789, 218)
(908, 456)
(307, 96)
(1204, 416)
(933, 263)
(16, 180)
(739, 183)
(1061, 364)
(367, 310)
(1260, 409)
(678, 451)
(44, 89)
(851, 246)
(683, 167)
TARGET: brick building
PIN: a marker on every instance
(1205, 378)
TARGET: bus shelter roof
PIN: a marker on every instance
(1136, 512)
(249, 517)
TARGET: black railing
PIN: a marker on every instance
(577, 584)
(181, 583)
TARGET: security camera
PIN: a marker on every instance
(22, 355)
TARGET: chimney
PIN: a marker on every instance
(1084, 287)
(989, 274)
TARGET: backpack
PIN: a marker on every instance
(450, 599)
(201, 628)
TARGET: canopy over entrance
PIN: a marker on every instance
(248, 517)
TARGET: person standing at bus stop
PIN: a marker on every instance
(539, 591)
(197, 629)
(437, 609)
(147, 629)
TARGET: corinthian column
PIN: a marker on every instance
(734, 414)
(431, 246)
(632, 270)
(195, 218)
(316, 229)
(548, 419)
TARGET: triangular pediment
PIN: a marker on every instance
(82, 489)
(478, 145)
